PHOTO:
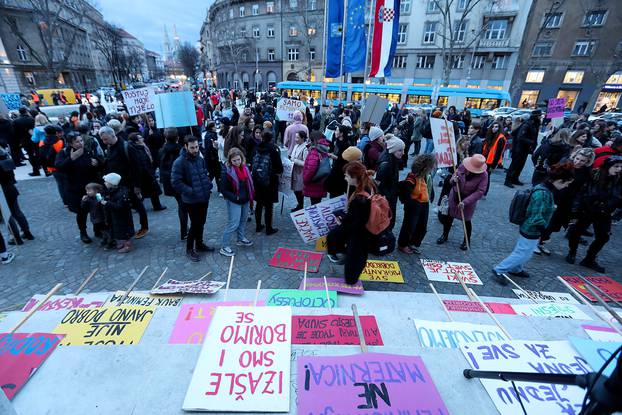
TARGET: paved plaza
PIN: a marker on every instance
(58, 255)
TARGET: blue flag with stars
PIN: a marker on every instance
(335, 34)
(355, 48)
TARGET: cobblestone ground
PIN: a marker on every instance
(58, 255)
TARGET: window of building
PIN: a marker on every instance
(462, 4)
(29, 77)
(399, 61)
(573, 77)
(270, 55)
(21, 52)
(255, 9)
(312, 53)
(528, 98)
(552, 20)
(429, 32)
(616, 78)
(292, 54)
(293, 4)
(432, 7)
(570, 95)
(404, 6)
(459, 31)
(270, 7)
(244, 56)
(402, 33)
(457, 62)
(595, 18)
(241, 11)
(535, 77)
(243, 31)
(500, 61)
(542, 49)
(425, 61)
(293, 31)
(478, 61)
(256, 32)
(270, 31)
(583, 48)
(311, 31)
(496, 29)
(230, 13)
(312, 5)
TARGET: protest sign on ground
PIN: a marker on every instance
(382, 271)
(317, 220)
(11, 101)
(188, 287)
(21, 354)
(144, 299)
(475, 307)
(450, 272)
(556, 108)
(300, 298)
(334, 329)
(193, 321)
(244, 365)
(444, 142)
(175, 109)
(597, 353)
(542, 296)
(534, 357)
(139, 101)
(443, 334)
(66, 302)
(606, 284)
(602, 334)
(295, 259)
(366, 383)
(285, 108)
(107, 326)
(320, 244)
(334, 284)
(550, 310)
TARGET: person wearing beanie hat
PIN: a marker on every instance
(373, 149)
(388, 173)
(395, 144)
(352, 154)
(118, 209)
(112, 178)
(289, 138)
(375, 133)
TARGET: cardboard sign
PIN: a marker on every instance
(597, 353)
(334, 284)
(295, 259)
(66, 302)
(450, 272)
(365, 384)
(382, 271)
(299, 298)
(320, 244)
(545, 296)
(193, 321)
(444, 142)
(139, 101)
(188, 287)
(556, 108)
(602, 334)
(107, 326)
(550, 310)
(285, 108)
(175, 109)
(442, 334)
(334, 329)
(534, 357)
(374, 109)
(21, 354)
(244, 365)
(12, 101)
(144, 299)
(317, 220)
(475, 307)
(606, 284)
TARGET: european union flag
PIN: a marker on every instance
(355, 48)
(335, 33)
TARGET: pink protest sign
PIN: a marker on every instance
(606, 285)
(334, 284)
(20, 355)
(193, 321)
(334, 329)
(366, 383)
(295, 259)
(474, 307)
(556, 108)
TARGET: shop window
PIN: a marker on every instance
(528, 98)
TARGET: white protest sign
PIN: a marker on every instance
(442, 334)
(286, 107)
(244, 365)
(188, 287)
(533, 357)
(548, 296)
(144, 299)
(550, 310)
(139, 101)
(317, 220)
(450, 272)
(444, 142)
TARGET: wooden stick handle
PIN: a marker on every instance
(464, 287)
(131, 287)
(257, 293)
(86, 281)
(519, 288)
(438, 297)
(304, 279)
(359, 328)
(492, 316)
(159, 279)
(605, 305)
(205, 276)
(34, 310)
(586, 281)
(229, 277)
(330, 308)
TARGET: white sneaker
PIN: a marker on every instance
(244, 242)
(226, 251)
(9, 258)
(336, 259)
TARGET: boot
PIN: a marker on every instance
(27, 235)
(571, 257)
(127, 247)
(84, 237)
(592, 264)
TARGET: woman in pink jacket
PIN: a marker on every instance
(318, 150)
(289, 138)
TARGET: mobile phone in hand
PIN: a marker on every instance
(99, 197)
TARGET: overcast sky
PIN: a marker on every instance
(145, 19)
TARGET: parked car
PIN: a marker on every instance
(606, 116)
(501, 111)
(522, 113)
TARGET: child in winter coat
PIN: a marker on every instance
(91, 202)
(118, 212)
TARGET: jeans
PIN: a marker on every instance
(237, 220)
(523, 251)
(429, 146)
(198, 215)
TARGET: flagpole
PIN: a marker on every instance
(324, 41)
(370, 33)
(343, 41)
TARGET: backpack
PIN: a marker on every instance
(262, 167)
(47, 155)
(382, 244)
(518, 205)
(379, 213)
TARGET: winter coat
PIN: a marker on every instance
(539, 211)
(79, 173)
(546, 155)
(299, 154)
(269, 194)
(146, 174)
(526, 138)
(387, 177)
(289, 139)
(6, 132)
(167, 156)
(21, 127)
(371, 154)
(190, 178)
(119, 214)
(235, 191)
(7, 178)
(312, 163)
(354, 225)
(472, 188)
(416, 133)
(598, 199)
(476, 146)
(155, 141)
(335, 183)
(121, 158)
(95, 209)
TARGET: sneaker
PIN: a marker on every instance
(201, 247)
(499, 277)
(592, 264)
(405, 249)
(335, 259)
(521, 274)
(519, 183)
(244, 242)
(141, 233)
(226, 251)
(125, 249)
(415, 249)
(544, 250)
(19, 241)
(159, 208)
(271, 231)
(9, 258)
(537, 250)
(192, 255)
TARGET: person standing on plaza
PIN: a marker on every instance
(298, 156)
(146, 181)
(551, 151)
(267, 166)
(237, 189)
(334, 184)
(167, 156)
(416, 133)
(7, 182)
(388, 173)
(313, 186)
(190, 179)
(374, 148)
(118, 210)
(289, 137)
(23, 127)
(493, 148)
(524, 142)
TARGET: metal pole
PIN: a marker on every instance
(343, 42)
(370, 34)
(323, 90)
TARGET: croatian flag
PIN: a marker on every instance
(386, 21)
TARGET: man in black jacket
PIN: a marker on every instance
(523, 144)
(22, 131)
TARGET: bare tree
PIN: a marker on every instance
(134, 62)
(109, 43)
(188, 57)
(57, 24)
(235, 49)
(309, 21)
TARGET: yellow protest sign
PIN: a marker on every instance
(320, 244)
(106, 326)
(144, 299)
(382, 271)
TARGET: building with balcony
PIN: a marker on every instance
(571, 49)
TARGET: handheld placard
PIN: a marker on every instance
(131, 287)
(586, 281)
(34, 310)
(604, 304)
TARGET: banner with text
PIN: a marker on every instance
(316, 220)
(606, 285)
(286, 107)
(66, 302)
(175, 109)
(334, 284)
(334, 329)
(444, 142)
(144, 299)
(442, 334)
(550, 310)
(295, 259)
(556, 108)
(300, 298)
(450, 272)
(545, 296)
(139, 101)
(475, 307)
(188, 287)
(382, 271)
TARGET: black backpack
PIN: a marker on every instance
(262, 168)
(47, 154)
(518, 205)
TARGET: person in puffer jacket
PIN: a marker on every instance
(318, 150)
(289, 138)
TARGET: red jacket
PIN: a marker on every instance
(312, 163)
(200, 116)
(603, 153)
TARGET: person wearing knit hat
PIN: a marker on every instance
(117, 206)
(375, 133)
(373, 149)
(113, 178)
(395, 144)
(387, 175)
(352, 154)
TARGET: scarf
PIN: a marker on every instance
(241, 174)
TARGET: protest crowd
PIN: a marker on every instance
(106, 165)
